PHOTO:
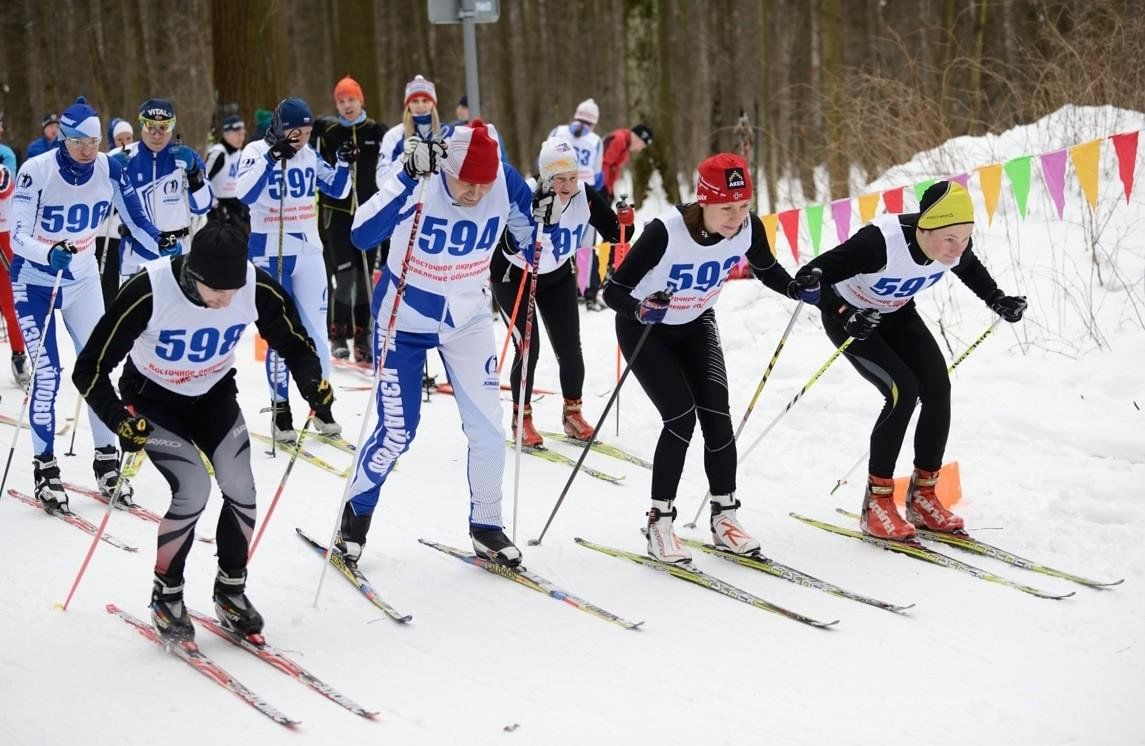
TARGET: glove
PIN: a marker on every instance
(60, 255)
(122, 158)
(185, 158)
(653, 308)
(805, 286)
(133, 432)
(624, 212)
(347, 152)
(422, 157)
(282, 150)
(1009, 307)
(169, 244)
(859, 323)
(544, 199)
(318, 394)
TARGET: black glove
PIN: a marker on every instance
(859, 323)
(318, 394)
(1009, 307)
(133, 432)
(347, 152)
(422, 157)
(544, 202)
(805, 286)
(654, 308)
(283, 150)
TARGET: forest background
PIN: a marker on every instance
(842, 88)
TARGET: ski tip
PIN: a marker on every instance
(825, 625)
(689, 525)
(1111, 584)
(900, 609)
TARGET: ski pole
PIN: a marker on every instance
(600, 423)
(98, 534)
(35, 366)
(512, 321)
(379, 359)
(272, 355)
(843, 479)
(834, 355)
(281, 486)
(523, 354)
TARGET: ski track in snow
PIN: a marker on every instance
(1052, 455)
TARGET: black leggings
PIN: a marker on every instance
(347, 277)
(109, 278)
(682, 370)
(557, 305)
(903, 361)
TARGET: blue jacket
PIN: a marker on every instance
(40, 145)
(159, 181)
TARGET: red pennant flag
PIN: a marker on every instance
(1126, 146)
(892, 198)
(789, 220)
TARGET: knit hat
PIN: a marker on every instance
(157, 110)
(557, 157)
(80, 120)
(218, 257)
(472, 154)
(587, 111)
(118, 127)
(291, 113)
(943, 204)
(644, 132)
(419, 86)
(723, 178)
(233, 123)
(348, 88)
(49, 119)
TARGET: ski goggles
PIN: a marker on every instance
(84, 142)
(157, 125)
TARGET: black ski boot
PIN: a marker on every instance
(232, 607)
(352, 536)
(106, 467)
(339, 349)
(49, 489)
(284, 431)
(491, 543)
(168, 613)
(363, 346)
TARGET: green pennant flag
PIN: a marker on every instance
(815, 226)
(921, 187)
(1018, 171)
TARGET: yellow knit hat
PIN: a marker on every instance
(943, 204)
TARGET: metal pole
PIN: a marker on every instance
(468, 16)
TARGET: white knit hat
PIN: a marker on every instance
(557, 157)
(419, 86)
(587, 111)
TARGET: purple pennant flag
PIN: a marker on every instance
(841, 214)
(963, 179)
(1053, 170)
(583, 266)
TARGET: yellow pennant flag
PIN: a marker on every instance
(990, 180)
(868, 204)
(770, 226)
(603, 251)
(1085, 158)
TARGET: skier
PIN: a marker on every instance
(178, 322)
(119, 133)
(348, 274)
(223, 171)
(444, 305)
(169, 178)
(871, 280)
(277, 179)
(618, 146)
(419, 117)
(49, 136)
(21, 371)
(62, 197)
(690, 251)
(578, 205)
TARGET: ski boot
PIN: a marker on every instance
(352, 536)
(232, 607)
(168, 613)
(727, 532)
(492, 544)
(923, 508)
(880, 517)
(324, 423)
(663, 544)
(49, 490)
(21, 371)
(339, 349)
(363, 347)
(107, 475)
(530, 438)
(574, 424)
(284, 431)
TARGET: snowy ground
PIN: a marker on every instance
(1048, 431)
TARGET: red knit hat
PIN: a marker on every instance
(348, 88)
(472, 154)
(723, 178)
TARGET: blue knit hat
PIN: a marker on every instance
(292, 113)
(80, 120)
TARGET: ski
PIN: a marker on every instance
(355, 576)
(258, 646)
(133, 462)
(604, 449)
(694, 575)
(970, 544)
(337, 441)
(79, 522)
(534, 581)
(307, 456)
(63, 429)
(138, 511)
(918, 551)
(563, 460)
(447, 388)
(189, 653)
(366, 370)
(770, 566)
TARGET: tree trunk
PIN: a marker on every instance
(248, 48)
(640, 85)
(838, 167)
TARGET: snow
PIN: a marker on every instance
(1047, 428)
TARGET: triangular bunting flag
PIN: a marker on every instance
(921, 187)
(603, 251)
(815, 226)
(1085, 159)
(868, 204)
(1125, 145)
(1018, 170)
(789, 219)
(770, 226)
(583, 267)
(990, 180)
(841, 214)
(1053, 171)
(963, 179)
(892, 199)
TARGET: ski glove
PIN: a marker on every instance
(544, 202)
(1009, 307)
(805, 286)
(283, 150)
(122, 158)
(422, 157)
(185, 158)
(654, 308)
(625, 215)
(169, 244)
(859, 323)
(133, 432)
(318, 394)
(60, 255)
(347, 152)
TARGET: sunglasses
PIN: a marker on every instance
(157, 125)
(84, 142)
